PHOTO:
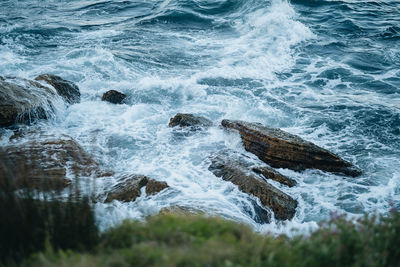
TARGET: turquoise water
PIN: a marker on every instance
(328, 71)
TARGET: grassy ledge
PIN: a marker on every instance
(176, 240)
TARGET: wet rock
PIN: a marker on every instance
(114, 97)
(283, 206)
(189, 120)
(66, 89)
(284, 150)
(46, 163)
(23, 101)
(128, 188)
(153, 187)
(272, 174)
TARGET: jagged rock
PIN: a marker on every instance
(284, 150)
(189, 120)
(128, 188)
(283, 206)
(114, 97)
(22, 101)
(46, 164)
(153, 187)
(66, 89)
(272, 174)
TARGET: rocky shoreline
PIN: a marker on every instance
(47, 164)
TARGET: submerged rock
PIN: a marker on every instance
(22, 101)
(46, 164)
(189, 120)
(66, 89)
(114, 97)
(284, 150)
(272, 174)
(128, 188)
(283, 206)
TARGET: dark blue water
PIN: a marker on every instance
(328, 71)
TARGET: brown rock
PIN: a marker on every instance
(128, 188)
(46, 164)
(66, 89)
(272, 174)
(114, 97)
(153, 187)
(284, 206)
(189, 120)
(22, 101)
(283, 150)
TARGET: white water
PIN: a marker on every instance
(236, 78)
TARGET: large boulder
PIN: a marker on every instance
(283, 206)
(66, 89)
(189, 120)
(128, 188)
(114, 97)
(22, 101)
(284, 150)
(47, 163)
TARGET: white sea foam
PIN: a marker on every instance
(135, 137)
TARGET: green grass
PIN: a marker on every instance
(176, 240)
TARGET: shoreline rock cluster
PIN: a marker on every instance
(276, 148)
(46, 163)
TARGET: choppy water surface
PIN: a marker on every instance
(328, 71)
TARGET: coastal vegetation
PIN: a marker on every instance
(54, 232)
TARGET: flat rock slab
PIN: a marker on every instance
(128, 188)
(283, 206)
(280, 149)
(66, 89)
